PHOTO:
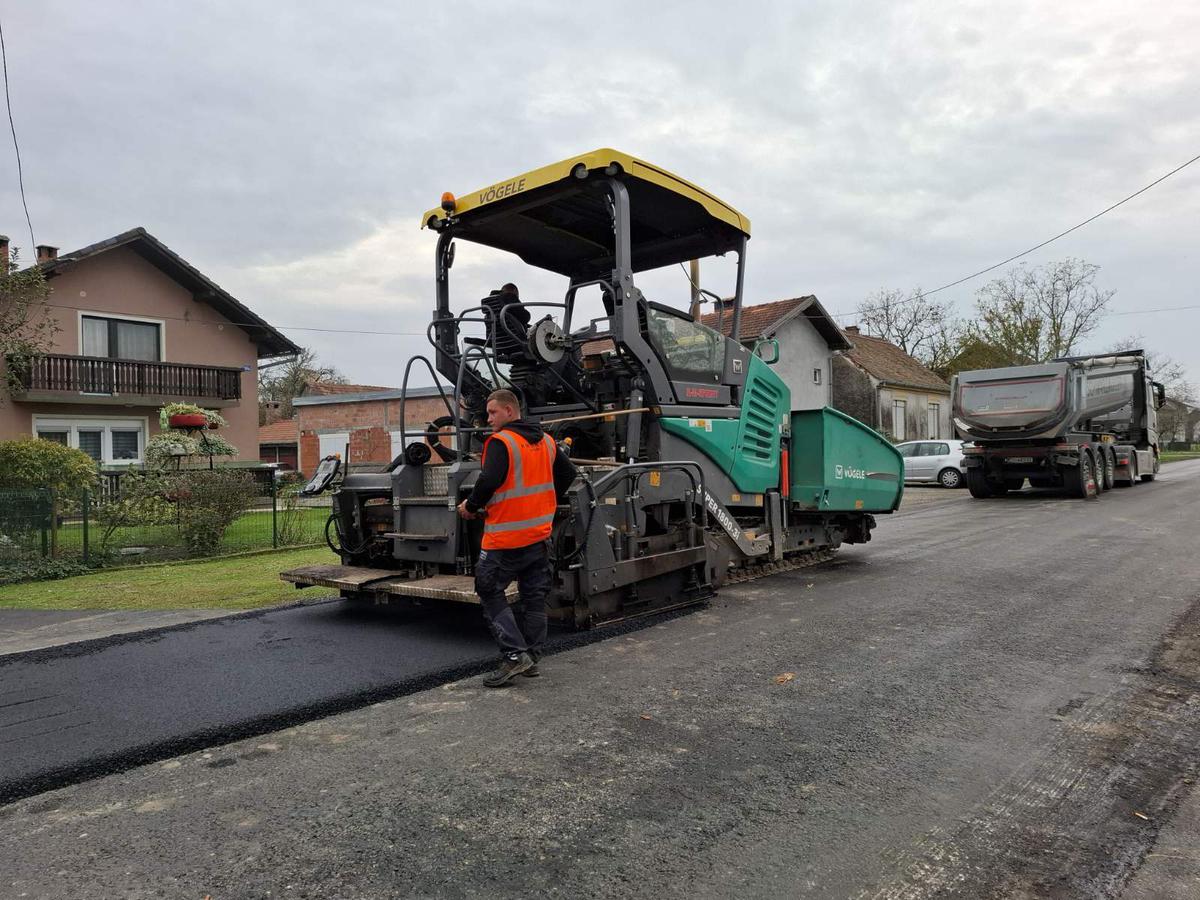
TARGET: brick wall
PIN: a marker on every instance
(369, 422)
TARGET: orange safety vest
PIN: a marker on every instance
(521, 512)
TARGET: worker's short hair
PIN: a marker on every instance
(510, 288)
(505, 397)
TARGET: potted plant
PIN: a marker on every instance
(182, 415)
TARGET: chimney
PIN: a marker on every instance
(3, 254)
(851, 329)
(46, 253)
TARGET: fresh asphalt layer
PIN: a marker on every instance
(72, 712)
(992, 698)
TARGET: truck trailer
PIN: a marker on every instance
(694, 468)
(1082, 423)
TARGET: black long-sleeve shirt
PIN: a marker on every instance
(495, 466)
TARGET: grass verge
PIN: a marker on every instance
(244, 582)
(1177, 455)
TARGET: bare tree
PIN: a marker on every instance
(1040, 313)
(1175, 417)
(27, 326)
(284, 383)
(922, 328)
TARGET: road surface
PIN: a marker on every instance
(992, 698)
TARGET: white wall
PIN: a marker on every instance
(801, 350)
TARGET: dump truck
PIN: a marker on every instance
(1083, 423)
(694, 470)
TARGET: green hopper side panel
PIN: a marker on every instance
(838, 463)
(745, 448)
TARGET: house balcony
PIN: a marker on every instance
(60, 378)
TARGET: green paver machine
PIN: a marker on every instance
(694, 469)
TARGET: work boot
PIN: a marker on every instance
(532, 671)
(511, 665)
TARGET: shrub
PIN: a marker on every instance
(30, 462)
(293, 524)
(208, 503)
(42, 570)
(144, 500)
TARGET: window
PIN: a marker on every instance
(908, 450)
(59, 436)
(120, 338)
(899, 415)
(91, 442)
(690, 351)
(107, 441)
(935, 421)
(931, 448)
(816, 376)
(126, 444)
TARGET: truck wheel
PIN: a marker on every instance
(1084, 483)
(978, 485)
(950, 478)
(1110, 470)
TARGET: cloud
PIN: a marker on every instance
(288, 150)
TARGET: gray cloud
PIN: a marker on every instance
(288, 149)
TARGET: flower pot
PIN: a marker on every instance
(188, 420)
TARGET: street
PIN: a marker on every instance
(991, 698)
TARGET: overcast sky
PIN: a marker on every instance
(288, 149)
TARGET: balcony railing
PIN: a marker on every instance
(55, 373)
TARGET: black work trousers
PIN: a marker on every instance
(521, 627)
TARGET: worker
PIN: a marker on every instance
(508, 331)
(522, 479)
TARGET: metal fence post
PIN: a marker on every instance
(274, 513)
(87, 502)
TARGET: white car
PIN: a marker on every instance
(940, 461)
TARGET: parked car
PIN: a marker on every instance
(940, 461)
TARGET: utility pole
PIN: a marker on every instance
(694, 278)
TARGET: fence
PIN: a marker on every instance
(147, 517)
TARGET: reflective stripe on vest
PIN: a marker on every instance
(521, 512)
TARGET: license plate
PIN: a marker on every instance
(1019, 459)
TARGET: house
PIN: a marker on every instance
(279, 444)
(361, 418)
(808, 338)
(879, 384)
(138, 327)
(1178, 424)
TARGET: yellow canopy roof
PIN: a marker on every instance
(549, 218)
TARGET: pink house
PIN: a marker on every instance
(139, 327)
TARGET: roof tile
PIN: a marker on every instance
(887, 362)
(285, 431)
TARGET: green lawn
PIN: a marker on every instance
(250, 531)
(241, 582)
(1177, 455)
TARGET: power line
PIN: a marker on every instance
(1017, 256)
(16, 146)
(1138, 312)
